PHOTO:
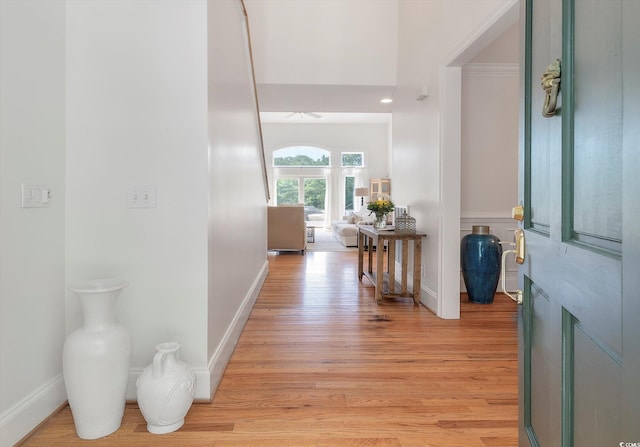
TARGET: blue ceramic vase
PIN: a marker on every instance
(480, 256)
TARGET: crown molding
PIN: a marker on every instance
(481, 70)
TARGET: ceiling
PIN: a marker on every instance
(334, 104)
(341, 75)
(324, 56)
(325, 118)
(324, 98)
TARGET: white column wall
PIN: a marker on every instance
(237, 218)
(32, 139)
(429, 33)
(136, 115)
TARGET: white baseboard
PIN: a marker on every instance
(427, 296)
(19, 420)
(222, 355)
(208, 379)
(511, 282)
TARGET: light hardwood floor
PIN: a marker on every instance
(320, 364)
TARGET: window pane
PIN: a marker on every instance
(349, 192)
(352, 159)
(301, 156)
(286, 191)
(314, 193)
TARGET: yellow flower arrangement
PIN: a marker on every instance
(380, 207)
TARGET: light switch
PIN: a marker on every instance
(34, 196)
(143, 196)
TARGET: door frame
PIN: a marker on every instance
(503, 17)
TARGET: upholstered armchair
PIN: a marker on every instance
(286, 228)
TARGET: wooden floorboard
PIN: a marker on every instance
(320, 364)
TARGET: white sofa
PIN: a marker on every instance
(345, 230)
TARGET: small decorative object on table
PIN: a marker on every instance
(405, 223)
(165, 390)
(311, 235)
(380, 208)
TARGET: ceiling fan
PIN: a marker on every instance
(303, 115)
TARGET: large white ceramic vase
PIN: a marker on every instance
(165, 390)
(96, 361)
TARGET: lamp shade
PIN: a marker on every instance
(361, 192)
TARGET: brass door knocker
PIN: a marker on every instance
(550, 83)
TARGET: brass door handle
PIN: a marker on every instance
(520, 246)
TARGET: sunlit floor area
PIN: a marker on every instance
(321, 364)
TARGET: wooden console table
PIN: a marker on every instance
(385, 281)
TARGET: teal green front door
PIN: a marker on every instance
(579, 337)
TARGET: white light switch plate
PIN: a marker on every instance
(34, 196)
(143, 196)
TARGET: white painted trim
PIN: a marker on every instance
(19, 420)
(449, 200)
(467, 228)
(427, 296)
(501, 19)
(511, 282)
(477, 70)
(486, 216)
(208, 379)
(222, 355)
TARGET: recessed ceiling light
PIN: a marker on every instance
(386, 100)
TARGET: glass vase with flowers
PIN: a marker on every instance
(380, 207)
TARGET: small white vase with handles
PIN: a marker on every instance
(95, 360)
(165, 390)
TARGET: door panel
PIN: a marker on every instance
(584, 282)
(597, 118)
(545, 145)
(573, 357)
(545, 360)
(597, 393)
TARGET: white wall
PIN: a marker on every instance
(372, 139)
(328, 42)
(490, 116)
(32, 139)
(132, 105)
(489, 150)
(237, 247)
(430, 32)
(136, 115)
(503, 50)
